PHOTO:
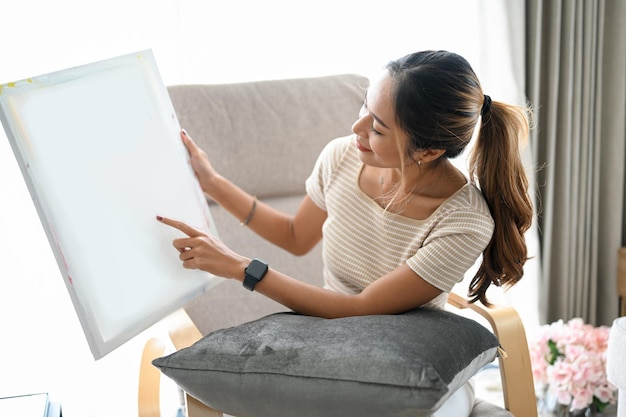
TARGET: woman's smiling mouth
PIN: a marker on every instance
(361, 147)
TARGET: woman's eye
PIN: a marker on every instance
(374, 131)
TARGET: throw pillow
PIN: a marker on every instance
(287, 365)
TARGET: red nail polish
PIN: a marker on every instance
(159, 218)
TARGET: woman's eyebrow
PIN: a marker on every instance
(378, 120)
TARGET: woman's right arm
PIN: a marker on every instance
(297, 234)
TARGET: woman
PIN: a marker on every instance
(401, 225)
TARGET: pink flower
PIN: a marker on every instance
(570, 359)
(605, 393)
(582, 397)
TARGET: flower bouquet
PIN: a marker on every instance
(569, 361)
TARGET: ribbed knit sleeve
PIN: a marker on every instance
(455, 243)
(325, 167)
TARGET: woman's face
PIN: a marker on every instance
(378, 138)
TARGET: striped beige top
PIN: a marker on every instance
(363, 242)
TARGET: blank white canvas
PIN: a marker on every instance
(99, 149)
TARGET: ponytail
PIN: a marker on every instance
(438, 102)
(495, 163)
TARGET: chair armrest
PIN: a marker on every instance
(182, 333)
(150, 380)
(515, 368)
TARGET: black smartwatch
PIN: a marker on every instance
(254, 273)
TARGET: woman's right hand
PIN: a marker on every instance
(200, 163)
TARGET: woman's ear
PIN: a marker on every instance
(428, 155)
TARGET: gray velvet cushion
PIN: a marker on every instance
(287, 365)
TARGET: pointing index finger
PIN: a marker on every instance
(183, 227)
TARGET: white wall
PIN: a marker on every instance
(194, 41)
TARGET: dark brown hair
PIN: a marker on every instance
(438, 102)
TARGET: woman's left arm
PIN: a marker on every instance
(398, 291)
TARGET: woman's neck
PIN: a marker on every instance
(418, 179)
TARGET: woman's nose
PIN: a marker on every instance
(360, 125)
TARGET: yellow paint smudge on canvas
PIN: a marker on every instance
(7, 85)
(13, 84)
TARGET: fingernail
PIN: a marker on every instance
(185, 132)
(159, 218)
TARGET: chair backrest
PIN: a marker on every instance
(266, 135)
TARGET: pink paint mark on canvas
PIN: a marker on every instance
(70, 279)
(58, 245)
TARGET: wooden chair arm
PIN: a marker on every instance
(515, 369)
(149, 404)
(182, 333)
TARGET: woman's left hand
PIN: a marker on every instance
(201, 251)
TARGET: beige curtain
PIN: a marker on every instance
(575, 79)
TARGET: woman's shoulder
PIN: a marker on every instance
(468, 201)
(469, 196)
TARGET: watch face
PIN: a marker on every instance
(256, 269)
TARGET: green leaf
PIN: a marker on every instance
(554, 352)
(600, 406)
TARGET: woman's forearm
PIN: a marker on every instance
(308, 299)
(281, 229)
(400, 290)
(296, 234)
(229, 196)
